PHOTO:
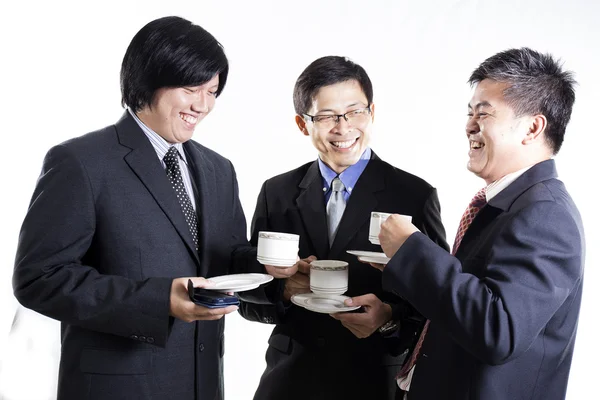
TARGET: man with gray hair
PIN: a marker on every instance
(503, 307)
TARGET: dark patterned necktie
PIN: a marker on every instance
(171, 160)
(469, 215)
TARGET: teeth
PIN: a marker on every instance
(188, 118)
(476, 145)
(344, 145)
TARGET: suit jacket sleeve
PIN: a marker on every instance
(244, 254)
(531, 269)
(51, 275)
(264, 304)
(410, 320)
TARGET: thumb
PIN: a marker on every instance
(200, 282)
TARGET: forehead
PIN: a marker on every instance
(339, 95)
(488, 93)
(214, 81)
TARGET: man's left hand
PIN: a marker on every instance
(362, 325)
(394, 232)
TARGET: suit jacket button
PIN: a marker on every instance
(201, 347)
(142, 338)
(321, 342)
(150, 339)
(134, 337)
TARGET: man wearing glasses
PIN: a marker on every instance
(352, 355)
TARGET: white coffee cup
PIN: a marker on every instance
(329, 276)
(377, 218)
(277, 248)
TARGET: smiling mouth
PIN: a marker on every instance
(476, 145)
(344, 145)
(189, 118)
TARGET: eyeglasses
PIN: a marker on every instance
(354, 118)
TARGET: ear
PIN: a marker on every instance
(536, 129)
(301, 122)
(372, 112)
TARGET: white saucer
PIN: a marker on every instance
(322, 303)
(238, 282)
(370, 256)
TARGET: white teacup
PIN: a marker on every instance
(377, 218)
(328, 277)
(277, 249)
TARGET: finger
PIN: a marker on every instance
(214, 313)
(279, 272)
(378, 266)
(304, 264)
(356, 332)
(300, 280)
(365, 300)
(354, 319)
(200, 282)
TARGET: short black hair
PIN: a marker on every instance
(169, 52)
(537, 84)
(327, 71)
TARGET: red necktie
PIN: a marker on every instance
(474, 206)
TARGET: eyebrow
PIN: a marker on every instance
(480, 104)
(358, 103)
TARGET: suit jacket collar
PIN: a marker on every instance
(204, 174)
(142, 159)
(540, 172)
(311, 205)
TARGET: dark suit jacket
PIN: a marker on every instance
(102, 240)
(503, 311)
(311, 355)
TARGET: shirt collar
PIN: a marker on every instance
(349, 176)
(496, 187)
(161, 146)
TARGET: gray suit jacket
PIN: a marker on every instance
(503, 311)
(102, 240)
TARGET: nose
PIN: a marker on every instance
(342, 126)
(472, 127)
(201, 102)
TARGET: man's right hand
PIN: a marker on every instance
(300, 281)
(183, 308)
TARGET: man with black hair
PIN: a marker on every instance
(503, 307)
(119, 220)
(352, 355)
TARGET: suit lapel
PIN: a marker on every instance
(143, 161)
(204, 174)
(361, 202)
(311, 205)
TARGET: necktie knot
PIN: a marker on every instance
(337, 185)
(479, 200)
(171, 158)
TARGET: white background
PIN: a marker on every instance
(60, 78)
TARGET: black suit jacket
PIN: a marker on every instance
(102, 240)
(503, 311)
(311, 355)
